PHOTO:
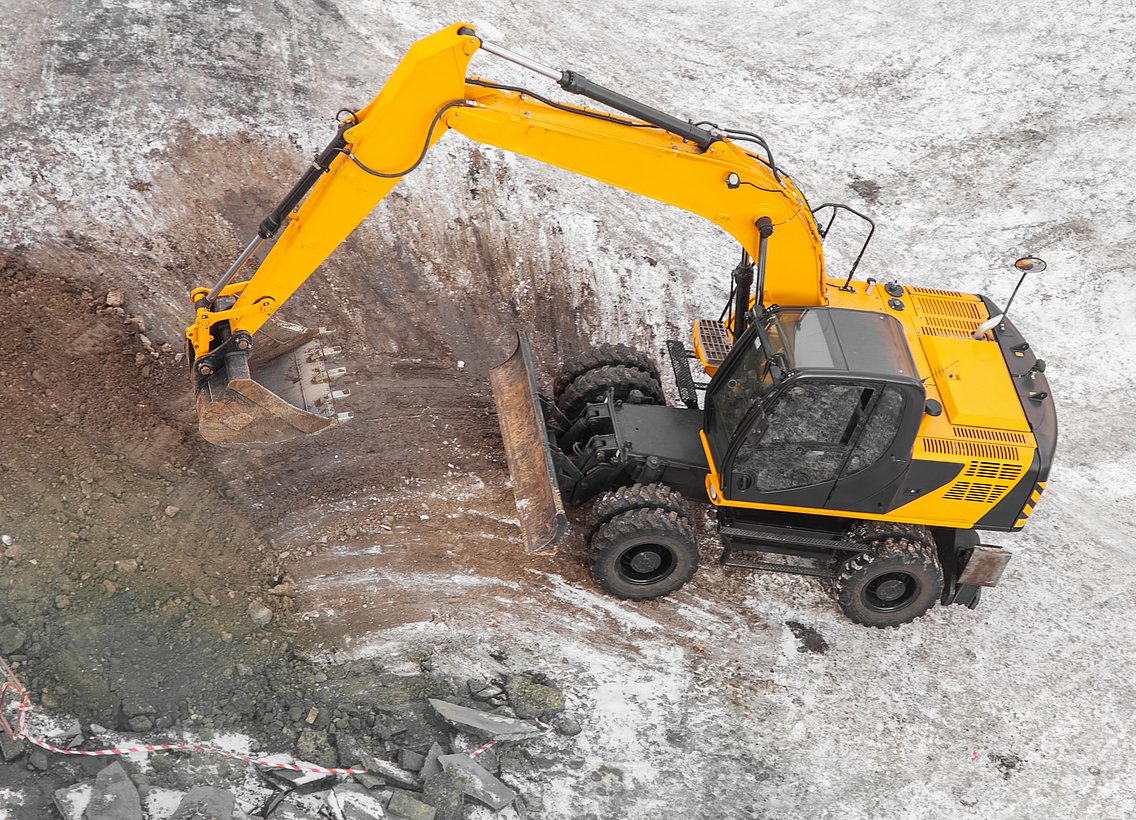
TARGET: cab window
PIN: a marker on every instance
(804, 438)
(879, 432)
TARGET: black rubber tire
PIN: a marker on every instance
(870, 533)
(636, 497)
(643, 554)
(603, 355)
(891, 586)
(593, 386)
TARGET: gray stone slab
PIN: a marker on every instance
(11, 748)
(479, 785)
(411, 760)
(404, 807)
(445, 794)
(114, 797)
(73, 801)
(431, 766)
(392, 773)
(205, 803)
(289, 812)
(302, 782)
(352, 802)
(483, 724)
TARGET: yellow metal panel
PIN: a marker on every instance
(975, 386)
(653, 163)
(389, 137)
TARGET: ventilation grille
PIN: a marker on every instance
(983, 434)
(953, 294)
(975, 491)
(969, 449)
(952, 317)
(993, 471)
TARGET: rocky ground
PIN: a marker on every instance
(310, 599)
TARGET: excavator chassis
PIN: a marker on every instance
(553, 460)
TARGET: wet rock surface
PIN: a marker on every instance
(393, 717)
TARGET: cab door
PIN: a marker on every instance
(792, 451)
(878, 462)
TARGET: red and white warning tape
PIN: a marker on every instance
(486, 747)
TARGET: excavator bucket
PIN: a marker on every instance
(291, 395)
(528, 450)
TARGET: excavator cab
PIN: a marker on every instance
(815, 408)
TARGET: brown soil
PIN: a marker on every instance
(137, 548)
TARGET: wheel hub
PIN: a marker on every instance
(646, 561)
(890, 590)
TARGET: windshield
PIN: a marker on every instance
(807, 337)
(743, 381)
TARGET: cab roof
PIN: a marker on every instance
(854, 341)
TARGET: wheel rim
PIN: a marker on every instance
(646, 563)
(891, 591)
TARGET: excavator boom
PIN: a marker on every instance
(251, 393)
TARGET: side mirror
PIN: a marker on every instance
(1027, 264)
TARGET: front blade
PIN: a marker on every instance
(527, 448)
(289, 397)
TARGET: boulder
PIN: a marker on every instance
(477, 784)
(205, 803)
(114, 796)
(484, 724)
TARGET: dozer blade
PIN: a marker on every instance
(539, 508)
(290, 396)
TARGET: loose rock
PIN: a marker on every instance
(483, 724)
(431, 766)
(259, 614)
(114, 797)
(533, 699)
(72, 802)
(404, 806)
(314, 745)
(11, 749)
(205, 803)
(391, 773)
(478, 785)
(354, 803)
(12, 640)
(446, 795)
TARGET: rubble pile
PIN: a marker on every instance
(432, 751)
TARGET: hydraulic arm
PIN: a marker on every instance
(646, 152)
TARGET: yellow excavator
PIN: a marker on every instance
(853, 430)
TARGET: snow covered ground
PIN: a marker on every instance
(971, 134)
